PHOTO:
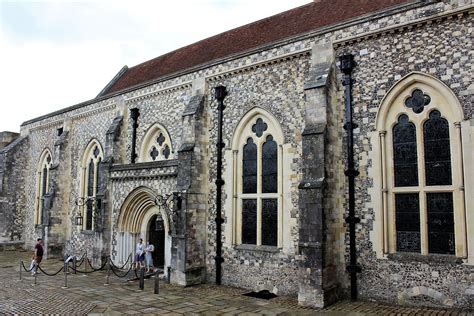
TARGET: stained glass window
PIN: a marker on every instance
(405, 153)
(270, 222)
(45, 181)
(249, 173)
(249, 221)
(98, 175)
(407, 210)
(437, 150)
(90, 193)
(440, 223)
(270, 166)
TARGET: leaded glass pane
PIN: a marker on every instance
(437, 151)
(249, 221)
(407, 210)
(440, 223)
(249, 173)
(270, 222)
(44, 185)
(98, 175)
(89, 205)
(269, 166)
(404, 153)
(90, 179)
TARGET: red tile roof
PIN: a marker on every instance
(300, 20)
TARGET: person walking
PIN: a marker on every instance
(37, 256)
(149, 257)
(140, 254)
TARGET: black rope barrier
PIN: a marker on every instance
(27, 270)
(101, 268)
(120, 276)
(129, 257)
(51, 274)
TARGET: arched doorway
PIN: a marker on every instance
(156, 237)
(138, 219)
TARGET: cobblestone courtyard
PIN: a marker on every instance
(89, 295)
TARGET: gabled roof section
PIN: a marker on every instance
(310, 17)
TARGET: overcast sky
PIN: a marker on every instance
(56, 54)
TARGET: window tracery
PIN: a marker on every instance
(258, 158)
(156, 145)
(423, 209)
(42, 186)
(92, 158)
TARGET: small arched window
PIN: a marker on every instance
(156, 145)
(91, 178)
(257, 145)
(422, 181)
(42, 184)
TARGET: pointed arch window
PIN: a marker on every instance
(258, 188)
(91, 178)
(42, 184)
(156, 145)
(422, 173)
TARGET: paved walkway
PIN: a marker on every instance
(89, 295)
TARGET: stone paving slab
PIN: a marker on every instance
(89, 295)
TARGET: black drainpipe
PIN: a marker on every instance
(134, 114)
(220, 93)
(347, 65)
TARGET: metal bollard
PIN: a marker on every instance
(157, 282)
(141, 283)
(36, 273)
(108, 272)
(65, 278)
(74, 264)
(169, 275)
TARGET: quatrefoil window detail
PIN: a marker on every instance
(96, 152)
(259, 127)
(160, 139)
(166, 151)
(48, 159)
(154, 153)
(418, 101)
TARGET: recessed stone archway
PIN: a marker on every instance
(134, 222)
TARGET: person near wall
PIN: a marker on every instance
(140, 254)
(37, 256)
(148, 257)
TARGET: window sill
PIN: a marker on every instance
(87, 232)
(431, 258)
(271, 249)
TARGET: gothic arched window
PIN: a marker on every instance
(258, 174)
(421, 163)
(156, 145)
(91, 178)
(42, 184)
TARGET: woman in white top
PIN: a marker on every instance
(148, 256)
(140, 253)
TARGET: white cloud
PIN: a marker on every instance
(58, 53)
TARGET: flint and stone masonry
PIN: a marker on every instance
(293, 84)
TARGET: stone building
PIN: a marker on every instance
(140, 159)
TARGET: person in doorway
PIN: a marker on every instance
(140, 254)
(37, 256)
(148, 257)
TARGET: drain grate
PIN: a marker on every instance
(265, 295)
